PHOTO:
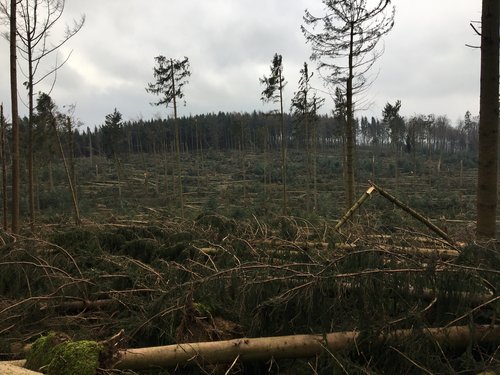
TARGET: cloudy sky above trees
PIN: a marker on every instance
(230, 44)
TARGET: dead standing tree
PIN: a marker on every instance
(35, 20)
(343, 43)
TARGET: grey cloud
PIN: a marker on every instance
(230, 44)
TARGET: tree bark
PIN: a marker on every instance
(177, 141)
(283, 147)
(349, 136)
(4, 168)
(15, 118)
(31, 189)
(488, 123)
(294, 346)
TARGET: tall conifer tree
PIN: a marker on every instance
(343, 43)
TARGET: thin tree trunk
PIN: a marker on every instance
(15, 119)
(31, 189)
(51, 176)
(91, 151)
(177, 143)
(68, 175)
(71, 153)
(4, 168)
(315, 163)
(350, 126)
(283, 148)
(488, 123)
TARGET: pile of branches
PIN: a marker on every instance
(213, 279)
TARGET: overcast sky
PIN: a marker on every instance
(230, 44)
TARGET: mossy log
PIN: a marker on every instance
(295, 346)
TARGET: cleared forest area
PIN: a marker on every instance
(382, 293)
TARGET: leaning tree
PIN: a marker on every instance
(171, 77)
(344, 42)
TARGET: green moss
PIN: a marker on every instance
(75, 358)
(54, 354)
(41, 352)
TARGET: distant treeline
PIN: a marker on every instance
(258, 131)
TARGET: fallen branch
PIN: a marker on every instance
(295, 346)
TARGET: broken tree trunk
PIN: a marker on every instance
(414, 213)
(356, 205)
(295, 346)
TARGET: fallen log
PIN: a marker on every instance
(12, 369)
(80, 305)
(425, 252)
(295, 346)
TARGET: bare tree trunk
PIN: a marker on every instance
(4, 168)
(31, 197)
(177, 143)
(68, 175)
(315, 164)
(71, 154)
(283, 148)
(15, 118)
(294, 346)
(349, 127)
(488, 123)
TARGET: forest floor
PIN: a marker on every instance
(233, 266)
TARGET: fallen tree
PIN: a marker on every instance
(294, 346)
(12, 369)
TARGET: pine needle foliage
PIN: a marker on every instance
(226, 279)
